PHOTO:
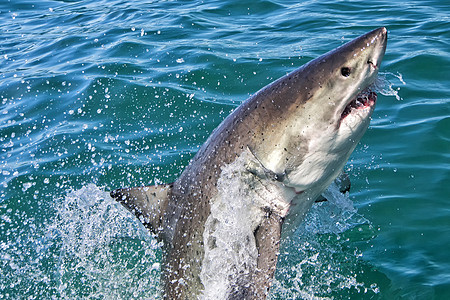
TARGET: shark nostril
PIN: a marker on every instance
(374, 65)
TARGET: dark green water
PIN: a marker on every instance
(101, 94)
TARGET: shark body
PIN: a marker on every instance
(259, 172)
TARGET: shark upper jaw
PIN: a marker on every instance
(363, 103)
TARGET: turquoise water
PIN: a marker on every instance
(101, 94)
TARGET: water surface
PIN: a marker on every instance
(101, 94)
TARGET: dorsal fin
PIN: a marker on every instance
(147, 203)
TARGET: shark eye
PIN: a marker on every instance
(345, 71)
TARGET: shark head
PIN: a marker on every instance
(347, 84)
(323, 110)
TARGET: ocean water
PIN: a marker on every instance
(96, 95)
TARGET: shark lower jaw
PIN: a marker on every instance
(365, 100)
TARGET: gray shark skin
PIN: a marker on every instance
(259, 172)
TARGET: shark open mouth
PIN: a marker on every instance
(366, 98)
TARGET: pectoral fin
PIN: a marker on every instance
(344, 184)
(148, 203)
(268, 243)
(256, 284)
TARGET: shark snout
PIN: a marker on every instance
(379, 41)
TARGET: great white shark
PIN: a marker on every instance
(254, 179)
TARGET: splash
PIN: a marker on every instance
(103, 251)
(314, 263)
(384, 86)
(230, 246)
(82, 246)
(336, 215)
(93, 248)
